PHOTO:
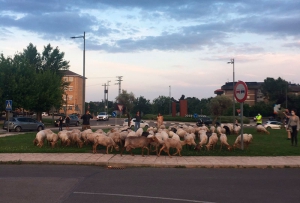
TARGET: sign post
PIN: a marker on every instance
(241, 94)
(120, 107)
(8, 107)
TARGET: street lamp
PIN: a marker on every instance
(83, 81)
(233, 105)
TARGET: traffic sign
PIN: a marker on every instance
(240, 91)
(195, 115)
(120, 107)
(8, 105)
(113, 114)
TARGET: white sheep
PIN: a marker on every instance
(181, 132)
(52, 138)
(172, 143)
(138, 142)
(40, 137)
(247, 139)
(64, 138)
(105, 141)
(212, 141)
(237, 129)
(190, 139)
(174, 135)
(262, 129)
(223, 140)
(203, 139)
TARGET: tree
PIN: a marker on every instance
(161, 105)
(142, 104)
(127, 100)
(275, 90)
(218, 105)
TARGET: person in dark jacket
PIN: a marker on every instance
(137, 121)
(60, 123)
(67, 122)
(86, 120)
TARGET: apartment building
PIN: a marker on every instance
(73, 93)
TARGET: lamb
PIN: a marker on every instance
(174, 136)
(203, 139)
(181, 133)
(190, 139)
(221, 130)
(40, 137)
(105, 141)
(262, 129)
(172, 143)
(212, 141)
(223, 139)
(138, 142)
(52, 138)
(247, 139)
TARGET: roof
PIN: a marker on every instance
(251, 85)
(70, 73)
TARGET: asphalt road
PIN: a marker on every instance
(56, 183)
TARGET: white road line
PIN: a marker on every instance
(138, 196)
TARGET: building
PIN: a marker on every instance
(73, 93)
(255, 94)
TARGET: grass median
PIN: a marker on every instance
(274, 144)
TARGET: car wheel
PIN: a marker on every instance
(107, 119)
(40, 128)
(77, 123)
(18, 129)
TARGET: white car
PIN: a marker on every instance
(44, 114)
(273, 125)
(103, 116)
(143, 124)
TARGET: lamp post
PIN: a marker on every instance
(83, 81)
(233, 105)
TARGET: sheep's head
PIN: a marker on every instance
(117, 148)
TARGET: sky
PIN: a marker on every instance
(160, 47)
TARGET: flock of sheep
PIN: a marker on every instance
(158, 140)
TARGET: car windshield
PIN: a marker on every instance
(102, 113)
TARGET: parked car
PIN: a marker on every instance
(44, 114)
(205, 120)
(74, 120)
(22, 123)
(273, 125)
(103, 116)
(132, 123)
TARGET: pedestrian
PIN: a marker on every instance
(67, 122)
(60, 124)
(258, 119)
(287, 117)
(236, 122)
(160, 120)
(137, 121)
(294, 126)
(86, 120)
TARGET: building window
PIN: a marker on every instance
(64, 97)
(66, 88)
(71, 88)
(70, 79)
(70, 97)
(70, 107)
(65, 79)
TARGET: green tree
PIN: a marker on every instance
(127, 100)
(218, 105)
(142, 104)
(275, 90)
(161, 105)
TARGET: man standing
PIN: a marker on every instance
(86, 120)
(137, 121)
(287, 117)
(258, 119)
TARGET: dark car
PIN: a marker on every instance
(22, 123)
(74, 120)
(205, 120)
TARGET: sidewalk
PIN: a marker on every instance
(118, 161)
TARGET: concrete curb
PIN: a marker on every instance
(127, 161)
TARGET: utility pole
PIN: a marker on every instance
(105, 91)
(170, 99)
(119, 83)
(107, 96)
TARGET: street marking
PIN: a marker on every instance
(139, 196)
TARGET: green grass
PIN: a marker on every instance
(274, 144)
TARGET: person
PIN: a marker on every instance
(137, 121)
(258, 119)
(160, 120)
(60, 120)
(86, 120)
(67, 122)
(287, 117)
(236, 122)
(294, 126)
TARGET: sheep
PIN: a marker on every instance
(174, 136)
(181, 133)
(221, 130)
(162, 126)
(247, 139)
(90, 137)
(237, 129)
(212, 141)
(40, 137)
(99, 131)
(84, 135)
(262, 129)
(138, 142)
(172, 143)
(131, 134)
(64, 138)
(75, 138)
(190, 139)
(52, 138)
(203, 140)
(139, 132)
(223, 139)
(212, 129)
(105, 141)
(115, 136)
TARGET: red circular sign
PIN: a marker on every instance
(240, 91)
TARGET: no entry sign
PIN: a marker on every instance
(240, 91)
